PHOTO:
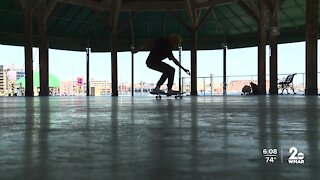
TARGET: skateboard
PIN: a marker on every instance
(177, 95)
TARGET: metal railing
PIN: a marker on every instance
(213, 85)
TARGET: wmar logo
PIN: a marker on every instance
(295, 157)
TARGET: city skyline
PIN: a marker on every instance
(68, 65)
(11, 84)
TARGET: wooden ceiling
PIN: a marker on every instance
(76, 24)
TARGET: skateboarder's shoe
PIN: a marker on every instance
(157, 91)
(172, 92)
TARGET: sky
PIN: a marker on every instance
(68, 65)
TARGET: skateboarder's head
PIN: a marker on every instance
(175, 40)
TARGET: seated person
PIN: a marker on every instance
(246, 90)
(255, 89)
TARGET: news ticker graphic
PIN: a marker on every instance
(272, 155)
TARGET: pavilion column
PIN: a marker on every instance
(311, 47)
(132, 72)
(88, 70)
(194, 62)
(225, 70)
(43, 50)
(28, 47)
(114, 64)
(193, 13)
(262, 49)
(115, 10)
(273, 41)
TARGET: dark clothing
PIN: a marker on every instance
(255, 89)
(161, 50)
(167, 70)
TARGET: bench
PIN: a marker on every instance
(287, 83)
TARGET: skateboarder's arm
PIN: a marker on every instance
(172, 58)
(147, 45)
(177, 63)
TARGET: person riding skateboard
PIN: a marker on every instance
(161, 49)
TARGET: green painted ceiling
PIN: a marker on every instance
(76, 24)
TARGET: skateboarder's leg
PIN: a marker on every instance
(167, 73)
(170, 75)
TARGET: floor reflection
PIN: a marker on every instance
(312, 157)
(144, 138)
(36, 148)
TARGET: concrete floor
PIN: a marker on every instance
(55, 138)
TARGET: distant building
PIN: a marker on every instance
(100, 88)
(67, 88)
(104, 88)
(8, 77)
(3, 81)
(20, 73)
(73, 88)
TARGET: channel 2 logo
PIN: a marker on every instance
(295, 157)
(271, 155)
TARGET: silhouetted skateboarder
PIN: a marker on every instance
(161, 49)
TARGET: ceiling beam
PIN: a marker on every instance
(267, 3)
(182, 22)
(214, 3)
(270, 4)
(23, 4)
(192, 12)
(103, 20)
(204, 18)
(129, 20)
(116, 4)
(161, 5)
(153, 5)
(280, 2)
(35, 4)
(105, 5)
(128, 6)
(251, 7)
(50, 7)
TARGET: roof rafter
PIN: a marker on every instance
(280, 2)
(214, 3)
(103, 20)
(32, 5)
(70, 20)
(161, 5)
(116, 4)
(89, 4)
(230, 22)
(153, 6)
(35, 4)
(55, 20)
(77, 28)
(290, 19)
(251, 7)
(129, 20)
(191, 12)
(240, 18)
(179, 19)
(270, 4)
(205, 17)
(50, 7)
